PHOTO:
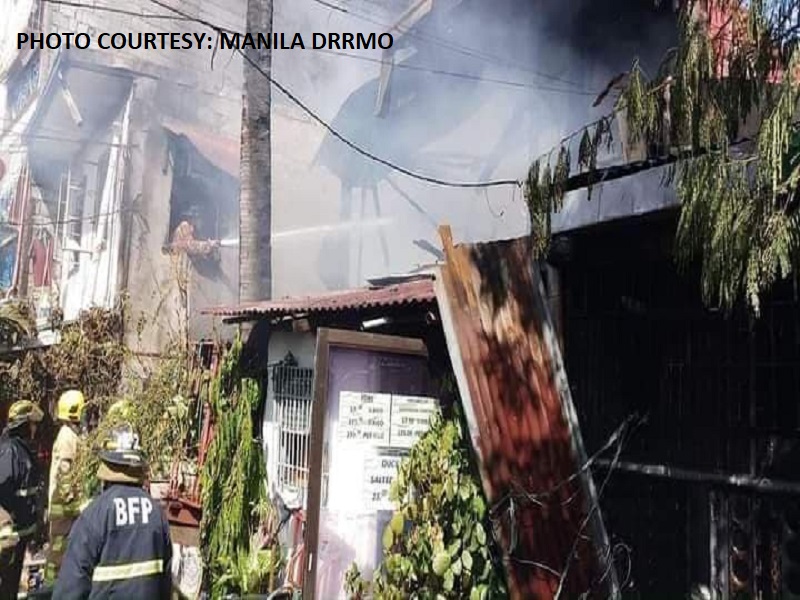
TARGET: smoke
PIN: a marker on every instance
(477, 91)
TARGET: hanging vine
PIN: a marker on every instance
(236, 530)
(723, 106)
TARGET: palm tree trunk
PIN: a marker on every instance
(255, 213)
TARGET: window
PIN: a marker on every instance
(292, 387)
(72, 194)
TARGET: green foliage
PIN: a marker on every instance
(247, 570)
(736, 210)
(436, 545)
(89, 357)
(158, 410)
(233, 483)
(545, 186)
(739, 214)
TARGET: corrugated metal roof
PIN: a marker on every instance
(418, 291)
(521, 418)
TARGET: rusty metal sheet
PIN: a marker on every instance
(522, 422)
(414, 292)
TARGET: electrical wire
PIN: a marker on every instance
(618, 440)
(465, 50)
(468, 76)
(112, 9)
(182, 16)
(424, 69)
(333, 131)
(332, 6)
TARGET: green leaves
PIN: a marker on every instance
(234, 494)
(480, 534)
(441, 562)
(545, 185)
(388, 538)
(435, 545)
(449, 581)
(397, 523)
(738, 210)
(479, 593)
(466, 560)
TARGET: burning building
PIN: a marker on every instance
(119, 168)
(110, 159)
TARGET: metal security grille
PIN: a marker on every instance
(293, 395)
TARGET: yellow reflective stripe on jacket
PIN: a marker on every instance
(65, 510)
(128, 571)
(24, 493)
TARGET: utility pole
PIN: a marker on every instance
(255, 205)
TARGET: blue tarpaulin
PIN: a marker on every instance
(7, 258)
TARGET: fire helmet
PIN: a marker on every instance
(24, 411)
(121, 409)
(70, 406)
(121, 458)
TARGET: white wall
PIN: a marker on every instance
(303, 347)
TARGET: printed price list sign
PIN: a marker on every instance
(379, 472)
(410, 419)
(364, 418)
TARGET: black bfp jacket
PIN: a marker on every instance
(19, 489)
(119, 547)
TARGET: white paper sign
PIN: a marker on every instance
(364, 418)
(410, 419)
(379, 472)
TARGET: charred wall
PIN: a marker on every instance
(720, 391)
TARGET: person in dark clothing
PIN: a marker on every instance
(120, 546)
(19, 492)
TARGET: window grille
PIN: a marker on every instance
(292, 387)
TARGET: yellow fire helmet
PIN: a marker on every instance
(121, 410)
(24, 411)
(70, 406)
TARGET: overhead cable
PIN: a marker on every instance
(334, 132)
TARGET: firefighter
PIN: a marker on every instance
(120, 545)
(119, 411)
(63, 498)
(19, 490)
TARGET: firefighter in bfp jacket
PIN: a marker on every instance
(120, 545)
(19, 490)
(63, 497)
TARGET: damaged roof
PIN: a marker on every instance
(417, 291)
